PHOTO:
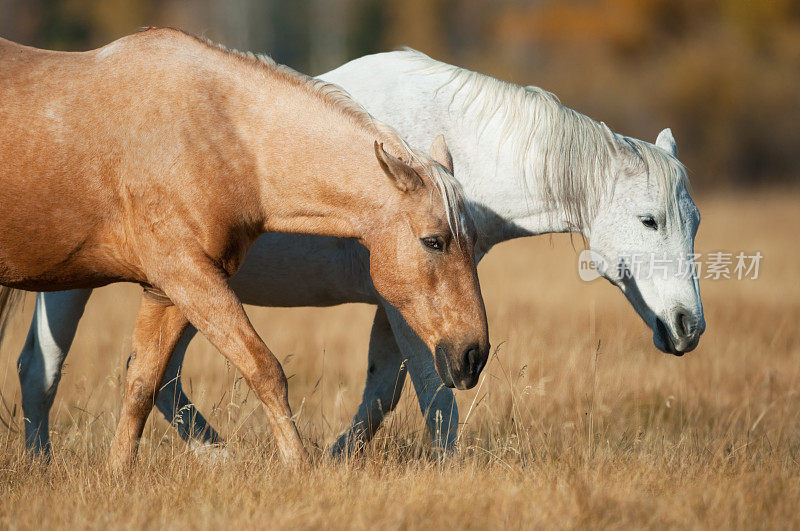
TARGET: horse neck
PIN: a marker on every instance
(315, 166)
(505, 200)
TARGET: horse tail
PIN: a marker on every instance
(9, 298)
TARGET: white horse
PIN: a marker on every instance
(528, 166)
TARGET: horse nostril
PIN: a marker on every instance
(685, 325)
(472, 359)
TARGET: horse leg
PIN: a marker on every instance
(437, 402)
(203, 295)
(386, 375)
(55, 321)
(159, 325)
(176, 406)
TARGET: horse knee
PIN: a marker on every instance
(270, 382)
(139, 396)
(27, 362)
(38, 381)
(381, 405)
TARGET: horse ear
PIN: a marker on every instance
(403, 175)
(666, 142)
(610, 138)
(441, 154)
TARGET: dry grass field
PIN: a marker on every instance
(562, 434)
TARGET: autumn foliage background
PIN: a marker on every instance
(579, 421)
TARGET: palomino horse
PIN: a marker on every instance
(160, 158)
(610, 188)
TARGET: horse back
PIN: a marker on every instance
(95, 145)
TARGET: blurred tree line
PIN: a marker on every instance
(724, 74)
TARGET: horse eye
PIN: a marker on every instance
(649, 222)
(433, 242)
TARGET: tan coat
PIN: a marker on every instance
(159, 159)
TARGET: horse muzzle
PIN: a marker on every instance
(682, 335)
(459, 367)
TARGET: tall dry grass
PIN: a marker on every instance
(578, 423)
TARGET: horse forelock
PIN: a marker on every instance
(448, 188)
(561, 153)
(452, 197)
(667, 172)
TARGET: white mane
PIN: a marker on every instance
(569, 151)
